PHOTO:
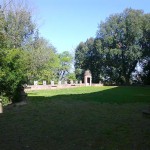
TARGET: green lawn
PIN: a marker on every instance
(85, 118)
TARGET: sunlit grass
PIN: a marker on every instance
(78, 90)
(99, 94)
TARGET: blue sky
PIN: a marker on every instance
(65, 23)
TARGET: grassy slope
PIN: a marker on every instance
(83, 118)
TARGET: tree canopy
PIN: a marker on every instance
(121, 43)
(24, 55)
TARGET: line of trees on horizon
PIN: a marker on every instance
(120, 52)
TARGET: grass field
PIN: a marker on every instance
(85, 118)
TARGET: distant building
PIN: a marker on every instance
(88, 78)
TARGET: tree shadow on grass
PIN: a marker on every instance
(85, 121)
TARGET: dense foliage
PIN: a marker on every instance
(120, 47)
(24, 55)
(13, 32)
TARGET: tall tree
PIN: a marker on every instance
(88, 55)
(145, 42)
(80, 58)
(122, 42)
(41, 59)
(2, 24)
(19, 25)
(16, 27)
(121, 35)
(65, 61)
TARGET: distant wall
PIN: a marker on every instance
(48, 87)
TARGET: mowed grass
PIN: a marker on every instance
(85, 118)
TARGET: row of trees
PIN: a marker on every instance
(120, 52)
(24, 55)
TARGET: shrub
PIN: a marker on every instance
(12, 73)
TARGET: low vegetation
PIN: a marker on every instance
(84, 118)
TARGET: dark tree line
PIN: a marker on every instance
(122, 45)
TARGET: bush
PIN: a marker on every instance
(12, 73)
(5, 100)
